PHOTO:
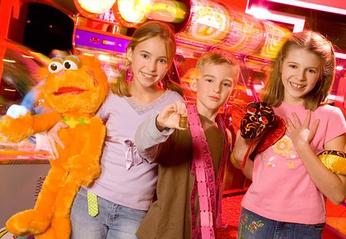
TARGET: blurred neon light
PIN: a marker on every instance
(88, 54)
(10, 90)
(167, 11)
(258, 87)
(134, 10)
(259, 12)
(26, 56)
(96, 6)
(336, 97)
(340, 55)
(248, 92)
(245, 34)
(9, 61)
(137, 11)
(103, 57)
(275, 38)
(315, 6)
(209, 22)
(339, 68)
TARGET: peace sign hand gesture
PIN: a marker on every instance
(301, 133)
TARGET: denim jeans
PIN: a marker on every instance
(253, 226)
(112, 222)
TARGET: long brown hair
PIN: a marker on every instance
(147, 31)
(317, 44)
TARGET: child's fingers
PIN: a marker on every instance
(289, 124)
(168, 110)
(306, 122)
(54, 151)
(183, 110)
(295, 120)
(314, 127)
(53, 133)
(58, 141)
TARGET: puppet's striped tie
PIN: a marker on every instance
(93, 208)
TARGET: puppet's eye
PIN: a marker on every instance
(55, 67)
(70, 65)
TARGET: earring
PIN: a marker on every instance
(128, 74)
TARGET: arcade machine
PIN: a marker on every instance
(93, 37)
(104, 31)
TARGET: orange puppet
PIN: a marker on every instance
(74, 89)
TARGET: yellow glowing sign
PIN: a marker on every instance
(137, 11)
(209, 22)
(275, 38)
(167, 11)
(133, 11)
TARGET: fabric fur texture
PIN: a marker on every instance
(74, 89)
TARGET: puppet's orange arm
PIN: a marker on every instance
(45, 121)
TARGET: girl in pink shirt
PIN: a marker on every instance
(289, 182)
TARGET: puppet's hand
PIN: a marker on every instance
(16, 129)
(16, 111)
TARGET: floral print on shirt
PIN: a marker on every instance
(284, 148)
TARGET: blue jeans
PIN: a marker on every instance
(112, 222)
(253, 226)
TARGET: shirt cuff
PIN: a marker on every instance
(156, 134)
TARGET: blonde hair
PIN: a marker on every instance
(315, 43)
(218, 58)
(147, 31)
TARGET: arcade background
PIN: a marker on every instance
(251, 30)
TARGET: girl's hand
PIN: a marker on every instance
(301, 133)
(169, 117)
(242, 148)
(54, 139)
